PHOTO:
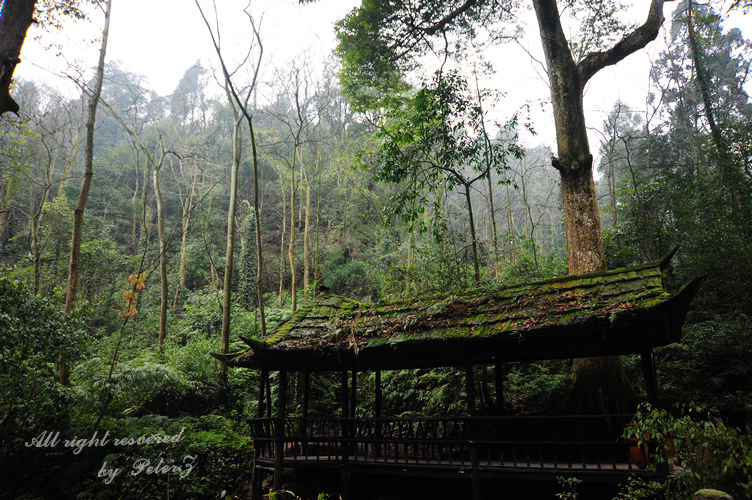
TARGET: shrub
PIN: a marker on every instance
(711, 454)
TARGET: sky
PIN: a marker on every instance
(161, 39)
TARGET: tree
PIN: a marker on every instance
(378, 40)
(78, 213)
(436, 142)
(240, 106)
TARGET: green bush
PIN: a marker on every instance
(214, 454)
(711, 454)
(33, 334)
(712, 364)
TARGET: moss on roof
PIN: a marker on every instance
(599, 301)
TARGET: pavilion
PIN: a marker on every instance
(616, 312)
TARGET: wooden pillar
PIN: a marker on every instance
(280, 448)
(263, 382)
(306, 392)
(651, 379)
(470, 389)
(344, 469)
(268, 396)
(379, 396)
(499, 383)
(260, 410)
(344, 395)
(304, 422)
(354, 393)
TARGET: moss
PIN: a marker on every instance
(339, 323)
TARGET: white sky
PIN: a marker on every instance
(161, 39)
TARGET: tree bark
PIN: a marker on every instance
(186, 224)
(156, 168)
(227, 299)
(476, 264)
(291, 247)
(17, 16)
(598, 384)
(78, 212)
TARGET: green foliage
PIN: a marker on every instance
(530, 264)
(346, 275)
(378, 42)
(637, 489)
(536, 385)
(712, 364)
(218, 448)
(569, 485)
(434, 143)
(711, 454)
(33, 336)
(437, 392)
(202, 313)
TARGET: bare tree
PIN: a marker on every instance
(241, 105)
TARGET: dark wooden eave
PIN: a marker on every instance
(623, 311)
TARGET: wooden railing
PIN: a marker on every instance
(486, 443)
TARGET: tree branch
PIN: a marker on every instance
(467, 5)
(631, 43)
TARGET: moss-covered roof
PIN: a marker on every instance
(609, 312)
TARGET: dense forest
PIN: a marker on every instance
(218, 210)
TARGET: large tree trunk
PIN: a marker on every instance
(598, 384)
(16, 18)
(78, 212)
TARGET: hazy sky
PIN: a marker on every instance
(162, 38)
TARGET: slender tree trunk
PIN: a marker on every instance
(186, 224)
(78, 213)
(510, 226)
(316, 275)
(256, 218)
(35, 223)
(69, 159)
(476, 264)
(306, 237)
(227, 299)
(156, 167)
(282, 244)
(291, 248)
(5, 210)
(163, 299)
